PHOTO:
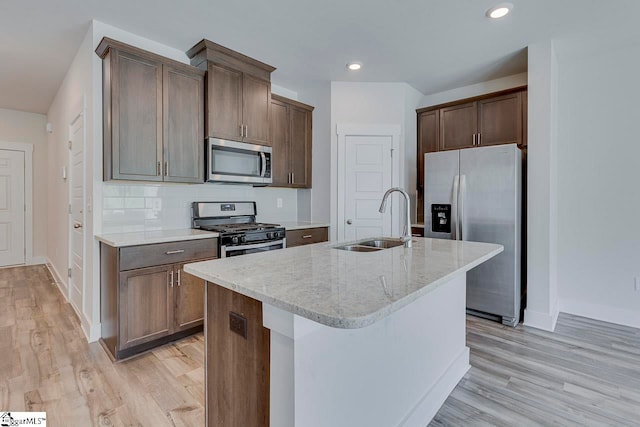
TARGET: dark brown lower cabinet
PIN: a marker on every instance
(237, 365)
(145, 306)
(307, 236)
(189, 298)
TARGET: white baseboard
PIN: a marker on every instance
(93, 332)
(57, 278)
(601, 312)
(539, 320)
(433, 399)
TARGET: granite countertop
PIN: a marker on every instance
(345, 289)
(301, 225)
(118, 240)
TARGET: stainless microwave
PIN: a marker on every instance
(238, 162)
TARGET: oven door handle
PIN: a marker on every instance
(263, 171)
(227, 249)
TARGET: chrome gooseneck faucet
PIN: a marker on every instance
(406, 235)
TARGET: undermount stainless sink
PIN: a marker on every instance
(371, 245)
(382, 243)
(358, 248)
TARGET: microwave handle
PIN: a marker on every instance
(264, 164)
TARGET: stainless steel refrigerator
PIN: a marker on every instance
(475, 195)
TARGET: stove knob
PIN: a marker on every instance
(270, 235)
(234, 240)
(243, 239)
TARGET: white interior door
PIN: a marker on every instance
(76, 213)
(367, 175)
(12, 207)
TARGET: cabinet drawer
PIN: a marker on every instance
(167, 253)
(307, 236)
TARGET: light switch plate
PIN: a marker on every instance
(637, 284)
(279, 202)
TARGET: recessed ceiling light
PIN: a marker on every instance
(354, 66)
(499, 11)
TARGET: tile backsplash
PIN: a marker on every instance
(147, 207)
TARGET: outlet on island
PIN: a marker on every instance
(279, 202)
(238, 324)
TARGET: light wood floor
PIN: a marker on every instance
(47, 365)
(587, 373)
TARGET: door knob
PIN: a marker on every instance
(76, 225)
(349, 222)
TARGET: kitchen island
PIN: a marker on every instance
(318, 336)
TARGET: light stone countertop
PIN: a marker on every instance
(118, 240)
(301, 225)
(345, 289)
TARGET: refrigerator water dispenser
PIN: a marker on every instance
(440, 218)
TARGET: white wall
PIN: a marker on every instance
(18, 126)
(598, 185)
(65, 106)
(380, 104)
(478, 89)
(542, 203)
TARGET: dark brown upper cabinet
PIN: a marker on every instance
(290, 137)
(238, 100)
(500, 120)
(458, 126)
(493, 121)
(153, 116)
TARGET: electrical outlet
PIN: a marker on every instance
(279, 202)
(637, 284)
(238, 324)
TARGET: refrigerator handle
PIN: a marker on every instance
(463, 193)
(454, 208)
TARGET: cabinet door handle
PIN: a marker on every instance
(307, 236)
(479, 139)
(166, 168)
(171, 279)
(158, 172)
(241, 130)
(473, 138)
(293, 177)
(178, 251)
(246, 131)
(179, 277)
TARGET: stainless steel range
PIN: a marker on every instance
(240, 234)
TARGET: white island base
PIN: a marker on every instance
(395, 372)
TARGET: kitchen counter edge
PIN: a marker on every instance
(303, 225)
(120, 240)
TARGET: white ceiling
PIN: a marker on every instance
(433, 45)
